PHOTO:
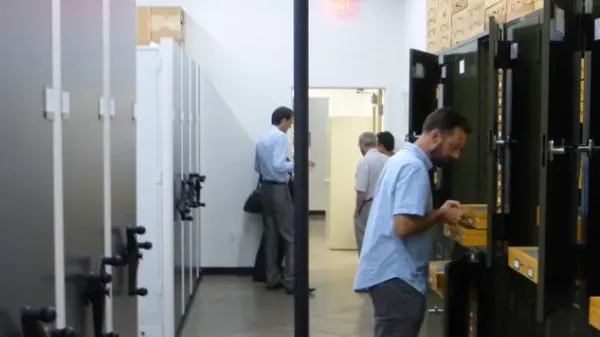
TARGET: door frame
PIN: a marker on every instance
(377, 118)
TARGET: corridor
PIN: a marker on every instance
(230, 306)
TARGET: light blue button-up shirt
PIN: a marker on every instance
(271, 156)
(403, 188)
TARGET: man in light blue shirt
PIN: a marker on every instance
(396, 248)
(271, 163)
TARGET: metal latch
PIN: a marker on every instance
(553, 150)
(435, 310)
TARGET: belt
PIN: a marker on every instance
(272, 182)
(368, 200)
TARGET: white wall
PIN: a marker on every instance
(345, 102)
(245, 49)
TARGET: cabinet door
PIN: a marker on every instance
(423, 88)
(26, 179)
(178, 171)
(85, 177)
(559, 121)
(591, 164)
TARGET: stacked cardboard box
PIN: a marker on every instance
(450, 22)
(155, 23)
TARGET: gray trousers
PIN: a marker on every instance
(399, 309)
(360, 224)
(278, 211)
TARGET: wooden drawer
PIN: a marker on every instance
(524, 260)
(594, 312)
(475, 215)
(437, 276)
(468, 237)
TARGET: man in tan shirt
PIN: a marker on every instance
(367, 175)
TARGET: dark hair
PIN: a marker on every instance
(280, 114)
(386, 139)
(446, 120)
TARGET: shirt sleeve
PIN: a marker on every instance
(280, 162)
(412, 191)
(362, 176)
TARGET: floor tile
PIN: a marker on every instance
(230, 306)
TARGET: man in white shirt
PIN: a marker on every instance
(367, 175)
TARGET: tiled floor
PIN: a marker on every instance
(229, 306)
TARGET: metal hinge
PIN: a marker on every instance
(106, 107)
(53, 101)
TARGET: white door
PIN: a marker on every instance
(318, 108)
(343, 156)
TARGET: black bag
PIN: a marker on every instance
(253, 204)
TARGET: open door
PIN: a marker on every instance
(498, 148)
(377, 109)
(590, 196)
(342, 157)
(558, 192)
(425, 95)
(425, 77)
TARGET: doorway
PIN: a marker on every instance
(337, 117)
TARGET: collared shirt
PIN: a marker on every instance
(403, 188)
(367, 172)
(271, 156)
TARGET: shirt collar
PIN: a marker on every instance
(275, 128)
(412, 148)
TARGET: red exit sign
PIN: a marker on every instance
(341, 5)
(342, 8)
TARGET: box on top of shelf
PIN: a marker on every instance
(155, 23)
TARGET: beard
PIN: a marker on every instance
(438, 159)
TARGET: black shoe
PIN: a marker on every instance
(291, 291)
(275, 286)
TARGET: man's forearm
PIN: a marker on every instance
(428, 221)
(409, 225)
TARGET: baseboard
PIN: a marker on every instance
(233, 271)
(316, 212)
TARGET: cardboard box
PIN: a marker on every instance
(155, 23)
(490, 3)
(444, 35)
(460, 26)
(475, 17)
(459, 5)
(518, 8)
(444, 10)
(537, 4)
(498, 11)
(432, 39)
